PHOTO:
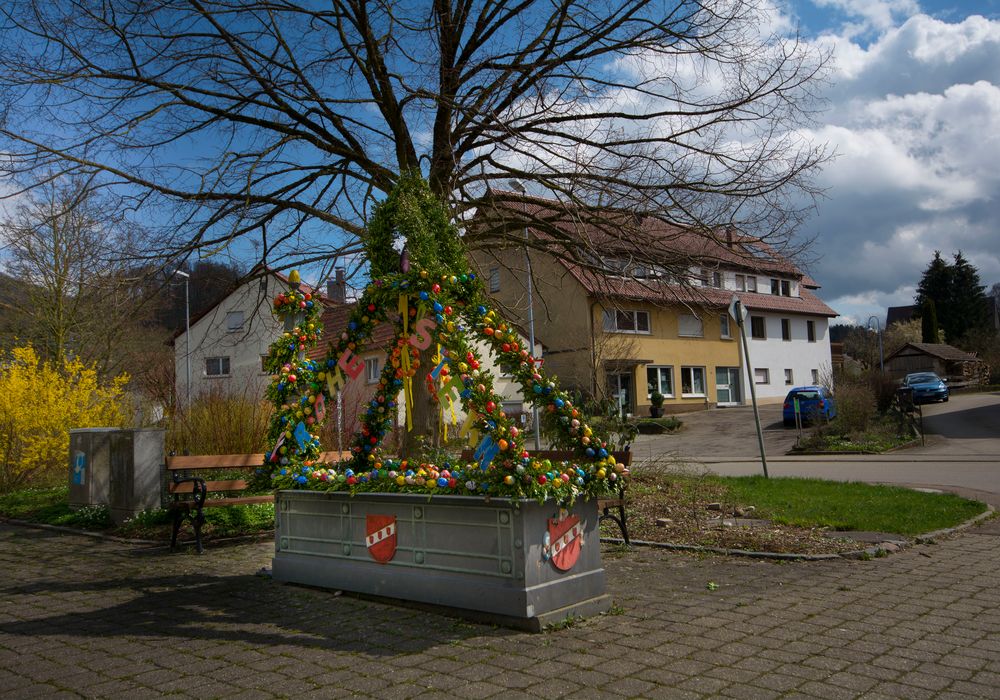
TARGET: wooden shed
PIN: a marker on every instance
(946, 361)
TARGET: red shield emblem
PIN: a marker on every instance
(381, 537)
(563, 541)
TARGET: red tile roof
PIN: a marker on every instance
(660, 292)
(335, 317)
(621, 233)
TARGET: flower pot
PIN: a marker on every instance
(515, 563)
(655, 411)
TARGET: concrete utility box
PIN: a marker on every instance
(137, 466)
(89, 466)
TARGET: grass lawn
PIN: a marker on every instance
(851, 505)
(50, 506)
(781, 514)
(799, 513)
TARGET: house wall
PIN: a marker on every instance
(210, 338)
(798, 354)
(561, 309)
(663, 346)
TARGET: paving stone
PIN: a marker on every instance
(119, 622)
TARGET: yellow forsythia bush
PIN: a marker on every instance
(39, 403)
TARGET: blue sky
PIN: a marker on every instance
(914, 120)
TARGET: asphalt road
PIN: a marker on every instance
(961, 454)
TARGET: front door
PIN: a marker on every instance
(727, 386)
(620, 389)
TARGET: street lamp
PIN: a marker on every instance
(518, 187)
(878, 330)
(187, 335)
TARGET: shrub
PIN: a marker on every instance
(217, 422)
(658, 426)
(39, 403)
(856, 404)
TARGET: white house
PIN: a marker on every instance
(228, 343)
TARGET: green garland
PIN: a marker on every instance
(457, 305)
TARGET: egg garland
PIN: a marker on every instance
(422, 286)
(294, 388)
(459, 310)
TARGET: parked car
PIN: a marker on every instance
(926, 387)
(814, 402)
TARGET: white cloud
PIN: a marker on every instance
(915, 120)
(871, 14)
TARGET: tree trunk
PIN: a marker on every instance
(424, 412)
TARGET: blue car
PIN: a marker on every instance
(815, 402)
(926, 386)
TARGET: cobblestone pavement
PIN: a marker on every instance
(84, 617)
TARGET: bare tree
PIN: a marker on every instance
(282, 122)
(64, 246)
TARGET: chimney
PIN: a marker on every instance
(336, 289)
(729, 237)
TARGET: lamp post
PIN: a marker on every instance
(187, 336)
(878, 330)
(518, 187)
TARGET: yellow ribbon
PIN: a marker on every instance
(404, 361)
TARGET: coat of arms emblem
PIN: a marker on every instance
(563, 541)
(381, 537)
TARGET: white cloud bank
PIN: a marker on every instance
(915, 121)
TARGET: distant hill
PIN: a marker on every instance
(10, 297)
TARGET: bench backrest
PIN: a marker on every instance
(193, 463)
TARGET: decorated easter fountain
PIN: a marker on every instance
(504, 535)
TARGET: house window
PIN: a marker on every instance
(623, 321)
(788, 377)
(713, 279)
(692, 381)
(263, 363)
(762, 375)
(494, 279)
(690, 326)
(811, 331)
(741, 283)
(786, 329)
(506, 370)
(757, 331)
(815, 376)
(659, 379)
(371, 370)
(786, 288)
(217, 366)
(776, 287)
(751, 284)
(234, 321)
(724, 331)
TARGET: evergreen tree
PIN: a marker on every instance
(936, 284)
(928, 322)
(959, 300)
(968, 300)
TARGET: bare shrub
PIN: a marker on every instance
(219, 422)
(857, 404)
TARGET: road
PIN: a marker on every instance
(962, 450)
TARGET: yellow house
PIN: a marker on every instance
(622, 329)
(622, 343)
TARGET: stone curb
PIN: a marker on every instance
(928, 538)
(877, 550)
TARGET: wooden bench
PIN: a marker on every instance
(611, 508)
(190, 491)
